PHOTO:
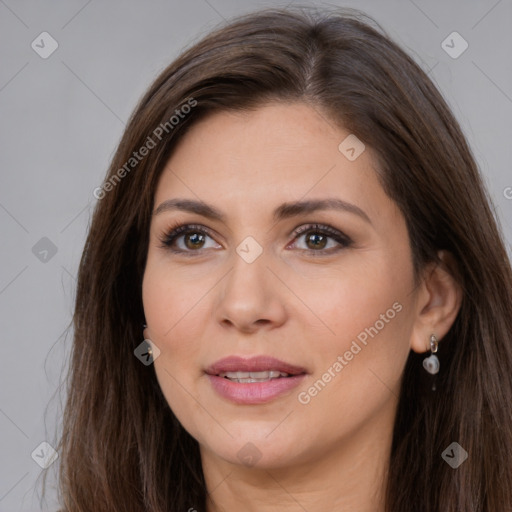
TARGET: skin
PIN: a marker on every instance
(290, 303)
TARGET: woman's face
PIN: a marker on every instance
(332, 307)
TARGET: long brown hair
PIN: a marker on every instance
(121, 448)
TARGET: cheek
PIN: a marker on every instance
(174, 310)
(363, 295)
(170, 302)
(367, 317)
(177, 339)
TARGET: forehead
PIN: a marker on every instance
(254, 160)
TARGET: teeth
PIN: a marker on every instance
(249, 377)
(272, 374)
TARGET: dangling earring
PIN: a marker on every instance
(431, 363)
(150, 350)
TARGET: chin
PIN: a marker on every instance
(261, 450)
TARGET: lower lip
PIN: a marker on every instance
(254, 392)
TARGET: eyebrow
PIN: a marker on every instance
(284, 211)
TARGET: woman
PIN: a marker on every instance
(293, 294)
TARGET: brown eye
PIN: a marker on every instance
(317, 238)
(194, 240)
(186, 239)
(316, 241)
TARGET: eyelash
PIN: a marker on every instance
(174, 232)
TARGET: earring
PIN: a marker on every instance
(431, 363)
(150, 350)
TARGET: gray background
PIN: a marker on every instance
(61, 118)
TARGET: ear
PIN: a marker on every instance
(439, 300)
(146, 334)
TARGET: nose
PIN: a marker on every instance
(250, 297)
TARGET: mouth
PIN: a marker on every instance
(255, 380)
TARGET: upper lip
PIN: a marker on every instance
(252, 364)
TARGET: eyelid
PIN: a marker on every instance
(324, 228)
(343, 240)
(170, 234)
